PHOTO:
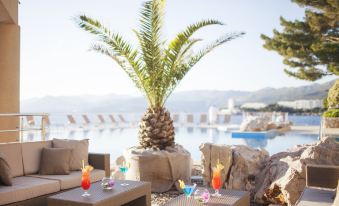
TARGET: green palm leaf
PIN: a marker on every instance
(155, 69)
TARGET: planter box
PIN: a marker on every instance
(331, 122)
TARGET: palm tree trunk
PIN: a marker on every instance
(156, 129)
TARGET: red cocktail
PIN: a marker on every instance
(85, 180)
(85, 183)
(216, 179)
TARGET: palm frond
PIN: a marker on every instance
(116, 47)
(150, 34)
(176, 45)
(181, 70)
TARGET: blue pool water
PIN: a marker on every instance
(114, 141)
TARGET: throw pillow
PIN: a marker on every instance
(5, 172)
(55, 161)
(79, 151)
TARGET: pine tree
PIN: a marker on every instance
(310, 47)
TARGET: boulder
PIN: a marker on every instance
(247, 164)
(255, 123)
(211, 153)
(161, 167)
(284, 176)
(242, 164)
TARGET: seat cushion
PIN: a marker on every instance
(31, 154)
(13, 154)
(55, 161)
(316, 197)
(5, 172)
(79, 151)
(24, 188)
(73, 179)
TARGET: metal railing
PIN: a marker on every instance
(21, 129)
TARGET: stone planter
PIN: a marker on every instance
(163, 168)
(331, 122)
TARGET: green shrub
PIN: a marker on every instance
(333, 96)
(331, 113)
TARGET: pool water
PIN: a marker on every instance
(114, 141)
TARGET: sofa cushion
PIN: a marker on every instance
(316, 197)
(73, 179)
(13, 154)
(79, 151)
(55, 161)
(5, 172)
(24, 188)
(31, 155)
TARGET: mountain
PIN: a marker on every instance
(188, 101)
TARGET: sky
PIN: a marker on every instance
(55, 59)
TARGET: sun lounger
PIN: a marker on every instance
(203, 120)
(176, 119)
(113, 121)
(30, 121)
(71, 120)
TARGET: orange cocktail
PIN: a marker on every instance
(216, 179)
(85, 180)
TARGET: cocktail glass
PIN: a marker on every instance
(216, 182)
(124, 168)
(85, 183)
(188, 190)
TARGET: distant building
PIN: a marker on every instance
(231, 104)
(302, 104)
(254, 105)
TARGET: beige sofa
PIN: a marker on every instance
(30, 188)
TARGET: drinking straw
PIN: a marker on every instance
(83, 164)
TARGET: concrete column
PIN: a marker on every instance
(9, 79)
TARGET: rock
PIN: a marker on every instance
(242, 165)
(284, 176)
(254, 123)
(281, 127)
(210, 155)
(161, 167)
(247, 164)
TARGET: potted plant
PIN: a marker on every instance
(331, 116)
(156, 67)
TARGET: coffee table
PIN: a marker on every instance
(135, 194)
(227, 198)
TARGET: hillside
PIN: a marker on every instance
(188, 101)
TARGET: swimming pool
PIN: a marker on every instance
(114, 141)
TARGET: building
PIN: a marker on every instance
(253, 105)
(302, 104)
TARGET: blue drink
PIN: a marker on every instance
(123, 169)
(188, 190)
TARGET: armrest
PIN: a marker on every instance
(100, 161)
(325, 176)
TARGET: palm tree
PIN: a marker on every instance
(155, 67)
